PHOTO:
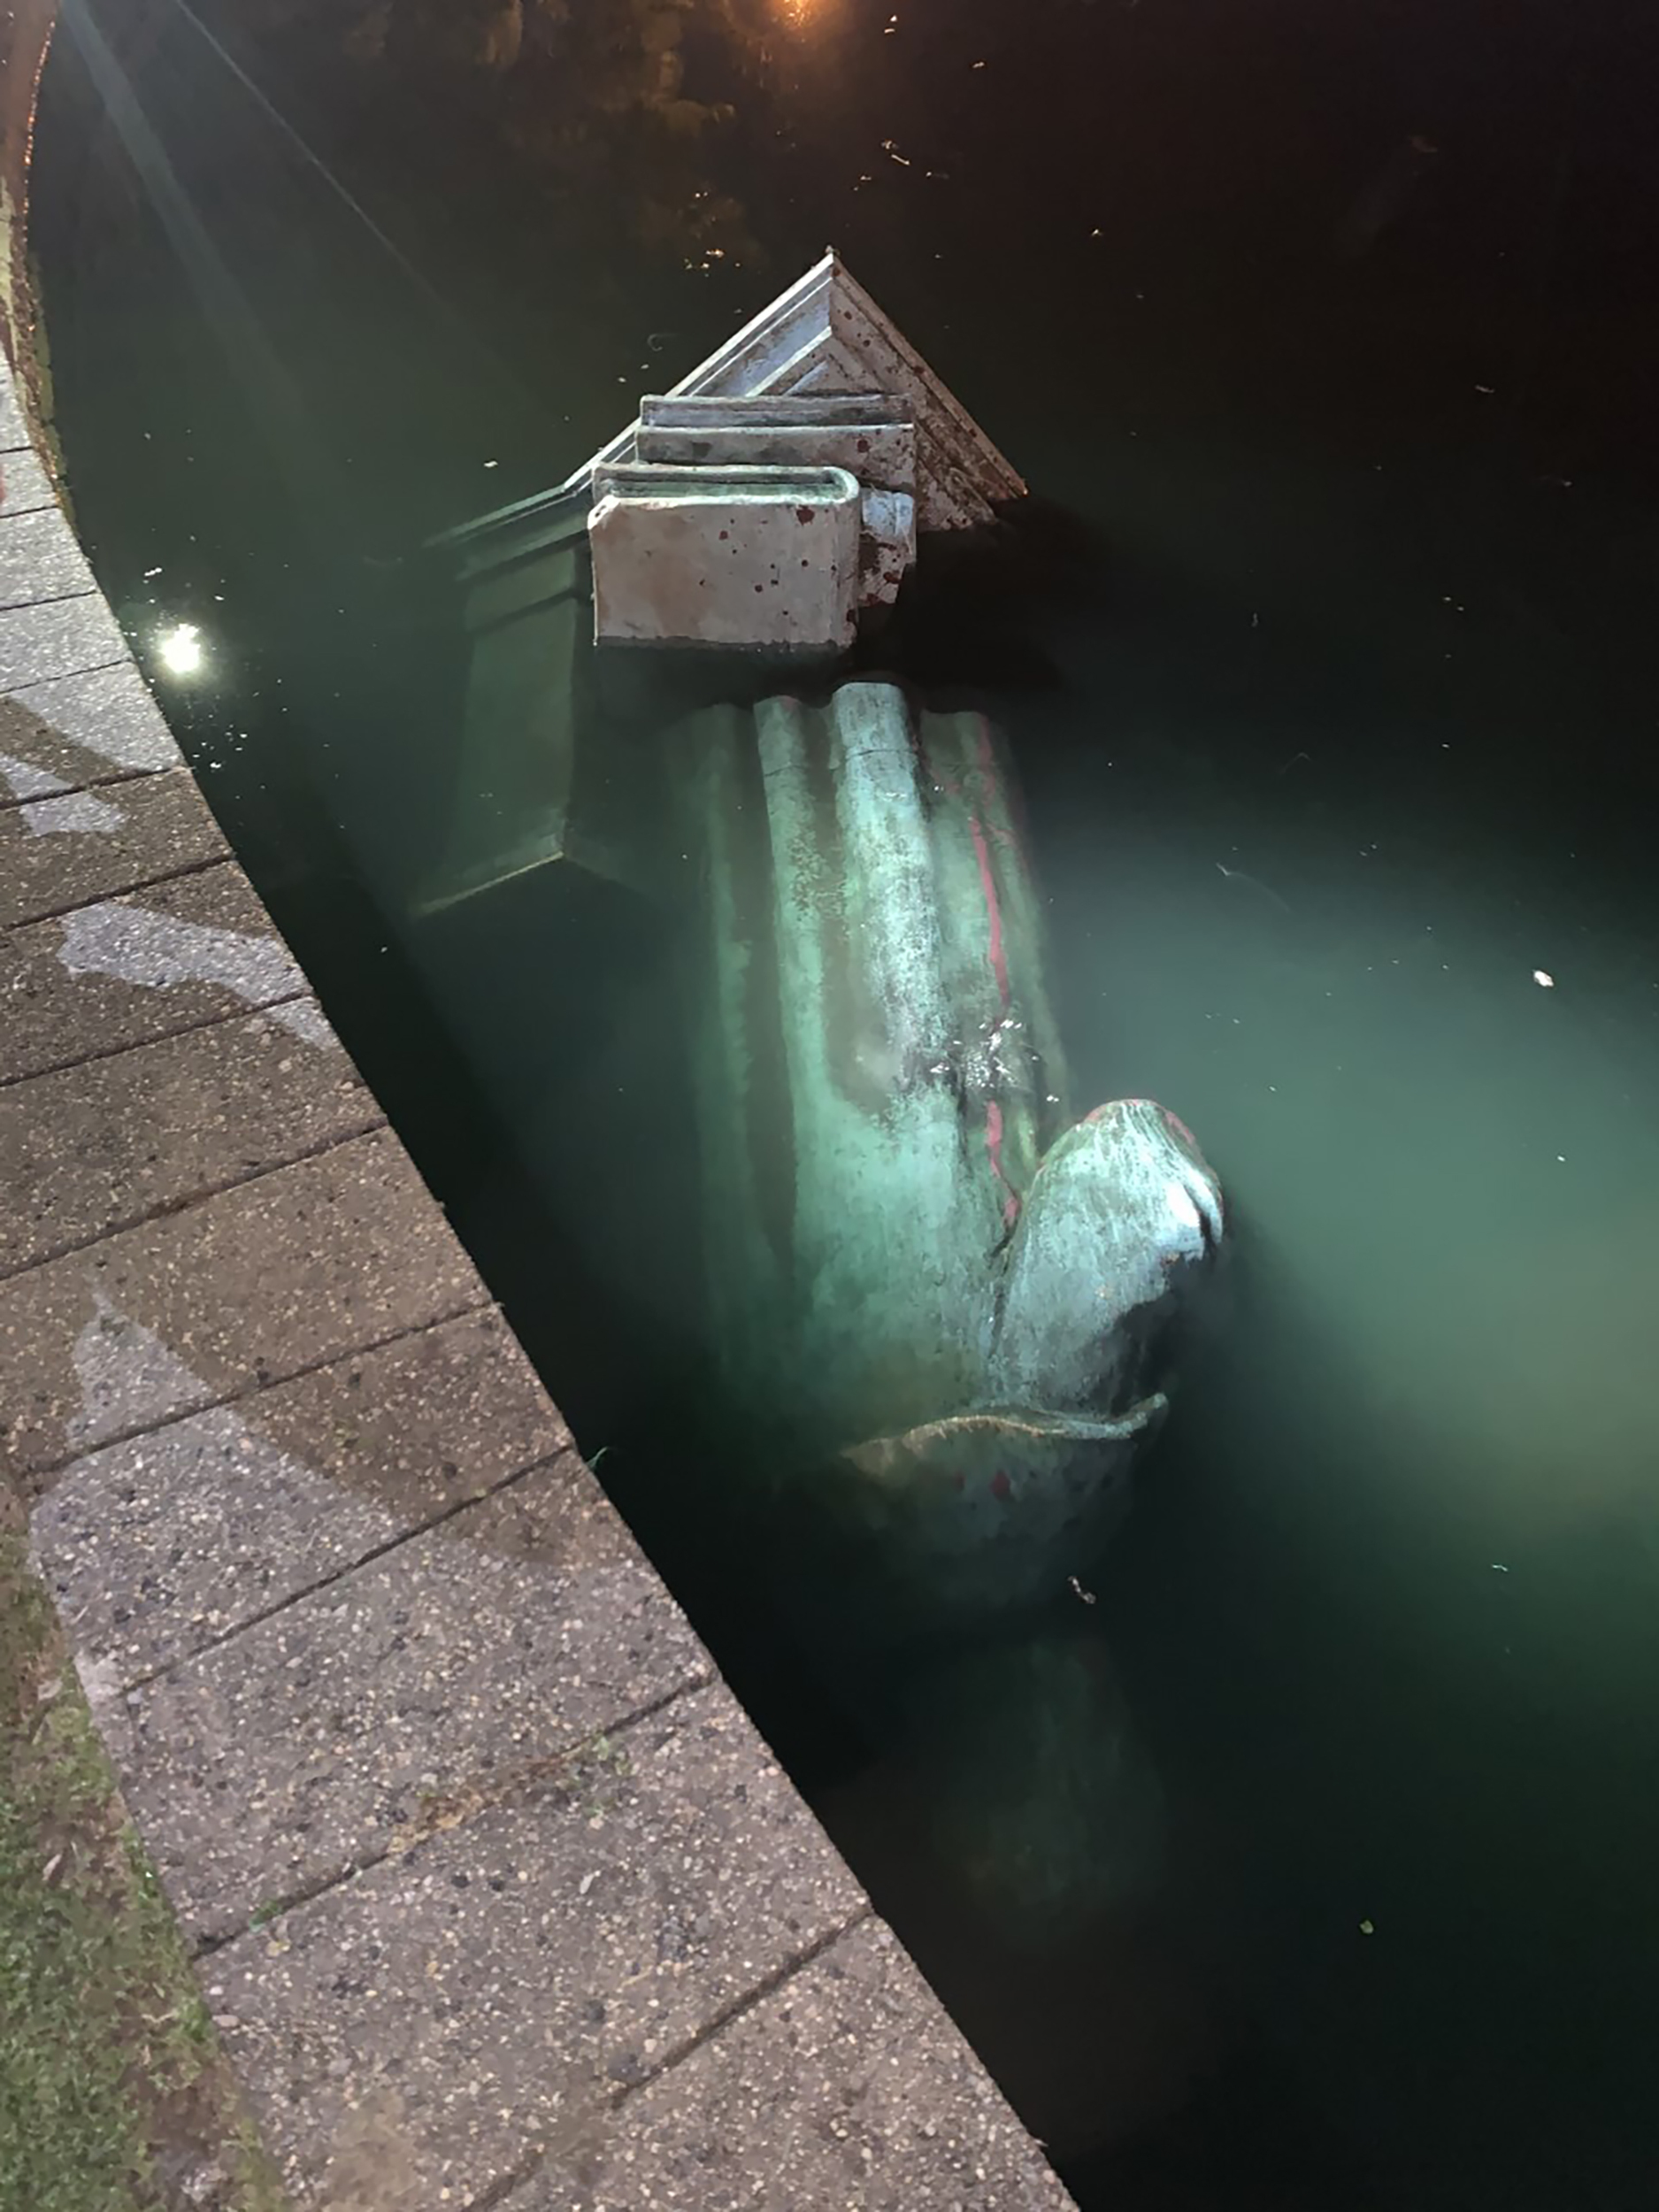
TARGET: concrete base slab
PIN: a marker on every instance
(160, 1547)
(477, 1999)
(879, 450)
(734, 558)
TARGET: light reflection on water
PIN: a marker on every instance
(1335, 736)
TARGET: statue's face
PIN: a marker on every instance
(1149, 1168)
(1123, 1215)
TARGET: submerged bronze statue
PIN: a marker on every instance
(941, 1301)
(946, 1300)
(943, 1307)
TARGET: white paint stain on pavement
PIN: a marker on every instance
(77, 813)
(129, 1378)
(26, 781)
(158, 950)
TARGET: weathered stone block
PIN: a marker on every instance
(737, 558)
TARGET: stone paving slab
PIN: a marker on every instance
(83, 729)
(59, 638)
(158, 1546)
(40, 559)
(125, 972)
(846, 2090)
(24, 485)
(263, 1282)
(67, 850)
(488, 1646)
(13, 431)
(92, 1149)
(453, 2008)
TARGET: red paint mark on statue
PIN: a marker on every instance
(1180, 1128)
(1001, 1486)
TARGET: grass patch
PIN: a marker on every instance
(113, 2094)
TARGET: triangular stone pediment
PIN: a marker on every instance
(825, 337)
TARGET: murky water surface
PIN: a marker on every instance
(1312, 1864)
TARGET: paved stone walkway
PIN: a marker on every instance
(498, 1898)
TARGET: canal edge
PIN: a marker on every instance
(221, 1269)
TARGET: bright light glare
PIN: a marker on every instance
(180, 649)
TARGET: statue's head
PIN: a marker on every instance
(1122, 1218)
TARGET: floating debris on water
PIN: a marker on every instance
(1253, 883)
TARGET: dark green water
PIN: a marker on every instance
(1352, 443)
